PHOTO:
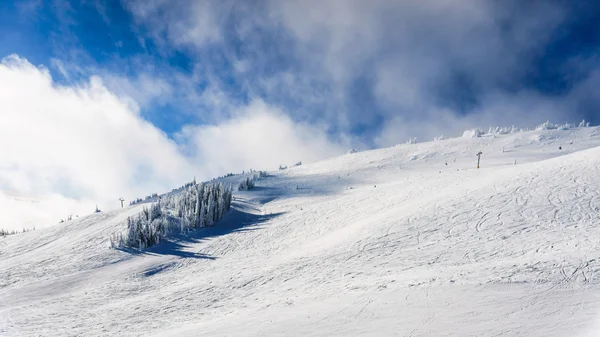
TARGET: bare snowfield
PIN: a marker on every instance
(412, 240)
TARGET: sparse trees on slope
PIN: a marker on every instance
(5, 232)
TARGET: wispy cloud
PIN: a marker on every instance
(182, 23)
(144, 89)
(359, 65)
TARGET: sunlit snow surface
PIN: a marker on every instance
(412, 240)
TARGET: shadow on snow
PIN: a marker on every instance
(236, 220)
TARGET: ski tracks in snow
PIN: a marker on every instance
(433, 249)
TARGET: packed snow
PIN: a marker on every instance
(411, 240)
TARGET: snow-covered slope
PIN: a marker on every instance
(412, 240)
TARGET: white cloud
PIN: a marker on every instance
(416, 59)
(72, 147)
(524, 110)
(195, 25)
(259, 137)
(67, 148)
(143, 89)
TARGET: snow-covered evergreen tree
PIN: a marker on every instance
(197, 205)
(209, 221)
(246, 185)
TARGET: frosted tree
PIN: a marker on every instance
(196, 205)
(220, 201)
(199, 206)
(209, 208)
(246, 185)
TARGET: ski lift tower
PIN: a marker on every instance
(478, 158)
(121, 199)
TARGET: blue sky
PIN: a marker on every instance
(550, 49)
(221, 86)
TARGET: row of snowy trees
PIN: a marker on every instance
(136, 201)
(198, 205)
(261, 174)
(146, 229)
(551, 126)
(147, 198)
(5, 232)
(155, 196)
(246, 185)
(201, 205)
(477, 132)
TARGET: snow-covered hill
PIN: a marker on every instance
(412, 240)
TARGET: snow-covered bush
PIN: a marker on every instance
(567, 126)
(262, 174)
(546, 126)
(246, 185)
(200, 205)
(477, 132)
(438, 138)
(584, 124)
(351, 151)
(503, 130)
(473, 133)
(152, 196)
(133, 202)
(550, 126)
(298, 163)
(281, 167)
(492, 131)
(412, 140)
